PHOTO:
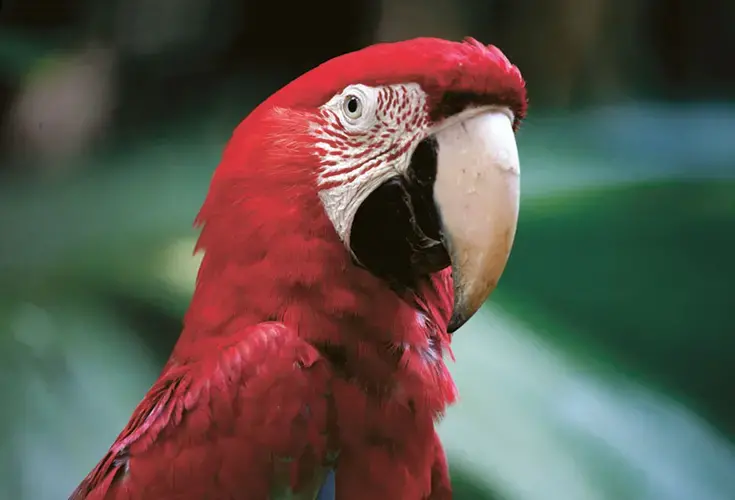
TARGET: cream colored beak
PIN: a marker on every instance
(477, 193)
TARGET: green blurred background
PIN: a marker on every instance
(601, 369)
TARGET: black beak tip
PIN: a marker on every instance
(456, 321)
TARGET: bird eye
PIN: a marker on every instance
(352, 107)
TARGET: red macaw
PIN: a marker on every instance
(358, 217)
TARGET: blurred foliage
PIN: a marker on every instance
(652, 278)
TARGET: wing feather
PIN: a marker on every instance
(244, 419)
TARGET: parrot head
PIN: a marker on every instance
(398, 161)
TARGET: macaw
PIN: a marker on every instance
(358, 217)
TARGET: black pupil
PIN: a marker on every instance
(352, 104)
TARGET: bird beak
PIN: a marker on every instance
(477, 193)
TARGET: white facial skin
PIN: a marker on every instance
(362, 149)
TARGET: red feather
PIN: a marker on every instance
(438, 65)
(263, 386)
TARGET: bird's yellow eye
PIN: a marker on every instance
(352, 107)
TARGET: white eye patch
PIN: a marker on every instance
(367, 136)
(356, 107)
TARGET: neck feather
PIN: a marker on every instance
(290, 266)
(271, 254)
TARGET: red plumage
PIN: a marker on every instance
(292, 358)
